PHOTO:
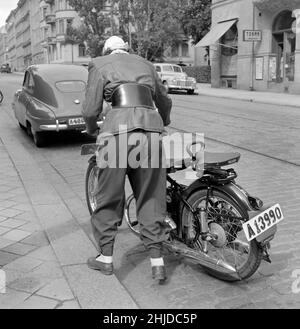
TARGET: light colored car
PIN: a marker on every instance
(174, 78)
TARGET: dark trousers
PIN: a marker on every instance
(148, 185)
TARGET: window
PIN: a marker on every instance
(174, 51)
(28, 82)
(185, 50)
(44, 12)
(60, 4)
(229, 42)
(82, 50)
(177, 69)
(71, 86)
(158, 69)
(61, 26)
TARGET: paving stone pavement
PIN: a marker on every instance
(189, 286)
(34, 278)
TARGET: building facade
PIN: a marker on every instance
(254, 44)
(56, 15)
(11, 40)
(3, 45)
(36, 32)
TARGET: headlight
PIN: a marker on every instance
(172, 80)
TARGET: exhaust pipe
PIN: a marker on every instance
(202, 258)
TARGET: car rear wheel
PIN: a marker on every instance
(39, 139)
(21, 126)
(190, 91)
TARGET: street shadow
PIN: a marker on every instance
(137, 255)
(182, 92)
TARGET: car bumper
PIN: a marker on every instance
(182, 86)
(60, 127)
(63, 127)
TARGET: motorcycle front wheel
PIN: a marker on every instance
(225, 218)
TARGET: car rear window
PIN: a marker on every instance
(71, 86)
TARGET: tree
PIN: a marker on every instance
(196, 19)
(149, 26)
(95, 22)
(154, 25)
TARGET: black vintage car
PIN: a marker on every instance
(5, 68)
(51, 100)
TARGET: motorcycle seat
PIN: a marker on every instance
(211, 160)
(220, 159)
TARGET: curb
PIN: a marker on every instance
(68, 240)
(200, 92)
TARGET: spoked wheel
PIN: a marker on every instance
(130, 215)
(225, 222)
(91, 185)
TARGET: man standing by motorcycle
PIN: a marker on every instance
(111, 78)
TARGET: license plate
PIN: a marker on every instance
(262, 222)
(76, 122)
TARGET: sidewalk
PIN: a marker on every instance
(273, 98)
(43, 249)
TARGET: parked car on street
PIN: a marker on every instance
(5, 68)
(174, 78)
(51, 100)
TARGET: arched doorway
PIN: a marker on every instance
(283, 46)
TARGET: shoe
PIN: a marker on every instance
(95, 264)
(159, 273)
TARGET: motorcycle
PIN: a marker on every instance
(212, 221)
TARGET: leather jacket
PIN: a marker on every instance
(106, 73)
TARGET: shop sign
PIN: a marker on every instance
(252, 35)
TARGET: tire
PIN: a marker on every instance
(21, 126)
(1, 97)
(190, 91)
(253, 251)
(91, 178)
(39, 138)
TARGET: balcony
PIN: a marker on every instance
(61, 38)
(50, 19)
(51, 40)
(44, 43)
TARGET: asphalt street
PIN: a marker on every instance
(267, 136)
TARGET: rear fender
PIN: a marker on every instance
(232, 190)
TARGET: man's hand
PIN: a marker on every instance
(94, 134)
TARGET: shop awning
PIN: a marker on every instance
(215, 33)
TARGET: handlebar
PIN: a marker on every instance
(99, 124)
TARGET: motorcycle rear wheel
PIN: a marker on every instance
(244, 256)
